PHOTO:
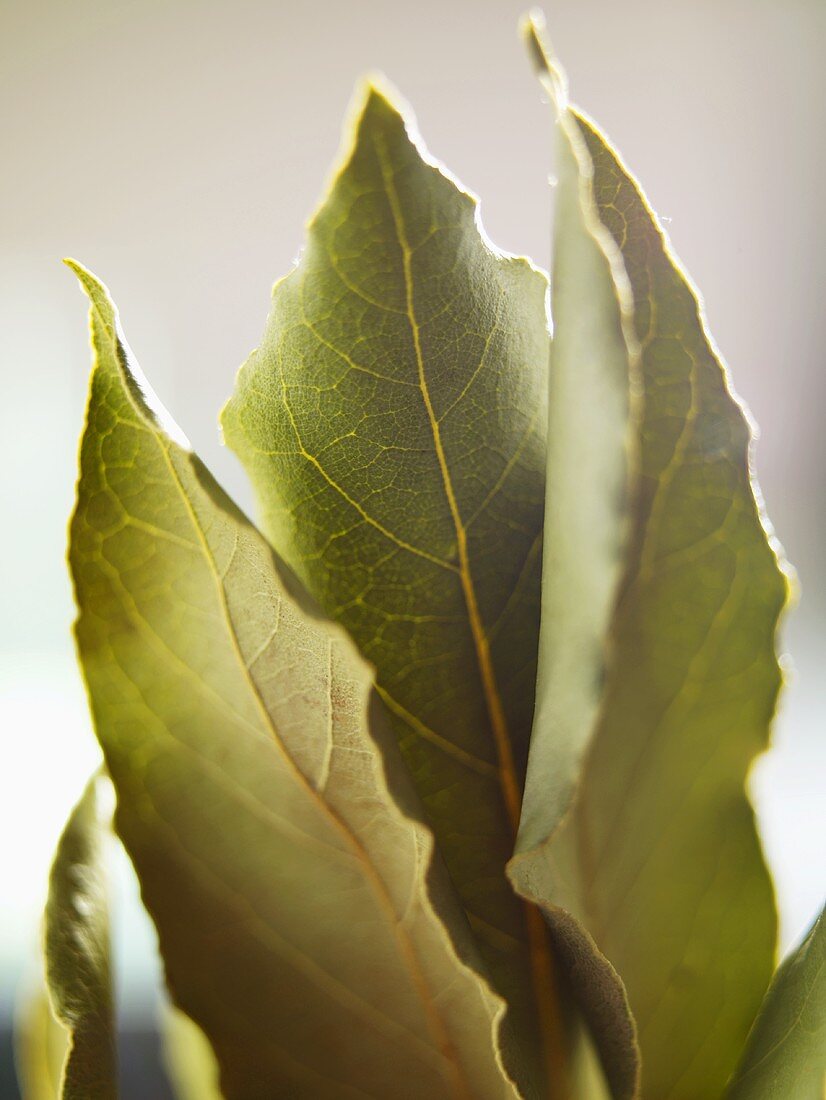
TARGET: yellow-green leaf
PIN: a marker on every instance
(76, 950)
(659, 857)
(303, 922)
(393, 423)
(785, 1057)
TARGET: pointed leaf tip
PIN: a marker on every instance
(96, 291)
(540, 52)
(377, 100)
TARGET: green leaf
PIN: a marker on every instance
(393, 423)
(785, 1057)
(659, 857)
(593, 403)
(301, 916)
(76, 948)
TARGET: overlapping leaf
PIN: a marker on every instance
(295, 901)
(392, 423)
(659, 857)
(785, 1057)
(592, 450)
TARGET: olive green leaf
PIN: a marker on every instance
(67, 1043)
(785, 1057)
(393, 423)
(301, 916)
(593, 399)
(658, 857)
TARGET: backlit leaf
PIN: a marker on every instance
(592, 456)
(393, 423)
(279, 851)
(659, 858)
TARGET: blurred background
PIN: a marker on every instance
(177, 148)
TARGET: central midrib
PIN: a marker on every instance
(542, 963)
(493, 701)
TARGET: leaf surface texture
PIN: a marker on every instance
(392, 422)
(272, 827)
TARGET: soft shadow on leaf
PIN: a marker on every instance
(658, 857)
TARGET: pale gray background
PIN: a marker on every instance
(177, 149)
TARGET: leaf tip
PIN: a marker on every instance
(111, 352)
(97, 293)
(85, 276)
(375, 104)
(532, 29)
(378, 100)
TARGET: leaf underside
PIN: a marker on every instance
(303, 922)
(659, 857)
(392, 422)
